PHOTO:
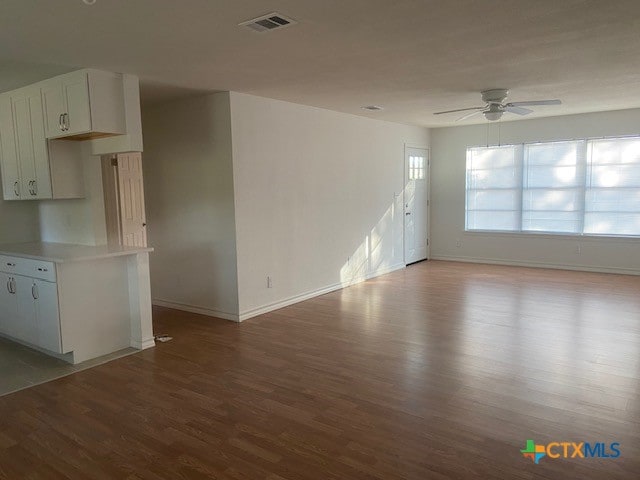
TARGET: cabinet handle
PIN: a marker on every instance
(60, 122)
(65, 121)
(35, 187)
(34, 291)
(13, 286)
(16, 189)
(9, 286)
(41, 269)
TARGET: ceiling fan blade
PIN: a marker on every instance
(533, 102)
(469, 115)
(460, 110)
(517, 110)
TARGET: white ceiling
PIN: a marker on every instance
(414, 57)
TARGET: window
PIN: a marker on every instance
(612, 204)
(416, 168)
(574, 187)
(493, 188)
(553, 187)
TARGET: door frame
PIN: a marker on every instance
(111, 194)
(111, 187)
(404, 203)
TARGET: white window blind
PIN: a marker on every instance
(612, 204)
(579, 187)
(493, 188)
(553, 187)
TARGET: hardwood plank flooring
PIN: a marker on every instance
(439, 371)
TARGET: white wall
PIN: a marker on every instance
(448, 197)
(78, 221)
(189, 199)
(313, 187)
(18, 221)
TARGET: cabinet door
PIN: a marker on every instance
(10, 171)
(47, 315)
(24, 144)
(33, 154)
(42, 173)
(25, 327)
(76, 98)
(53, 107)
(8, 305)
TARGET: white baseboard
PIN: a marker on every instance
(195, 309)
(315, 293)
(555, 266)
(275, 305)
(144, 344)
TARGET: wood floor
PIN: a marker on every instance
(439, 371)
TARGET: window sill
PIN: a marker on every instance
(557, 236)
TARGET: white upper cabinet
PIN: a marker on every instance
(84, 105)
(10, 169)
(31, 147)
(36, 159)
(31, 167)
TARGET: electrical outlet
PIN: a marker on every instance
(458, 243)
(269, 282)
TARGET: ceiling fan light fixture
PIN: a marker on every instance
(492, 116)
(495, 106)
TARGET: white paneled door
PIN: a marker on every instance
(131, 193)
(416, 204)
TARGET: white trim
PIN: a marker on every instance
(557, 235)
(515, 263)
(404, 203)
(315, 293)
(416, 145)
(144, 344)
(195, 309)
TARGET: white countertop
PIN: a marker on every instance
(66, 252)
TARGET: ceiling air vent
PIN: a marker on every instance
(268, 22)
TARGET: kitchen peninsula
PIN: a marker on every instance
(75, 302)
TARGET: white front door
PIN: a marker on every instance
(416, 207)
(131, 191)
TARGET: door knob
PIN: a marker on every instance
(408, 213)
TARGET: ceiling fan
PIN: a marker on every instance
(494, 105)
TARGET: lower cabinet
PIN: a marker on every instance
(25, 327)
(29, 311)
(47, 315)
(76, 309)
(8, 305)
